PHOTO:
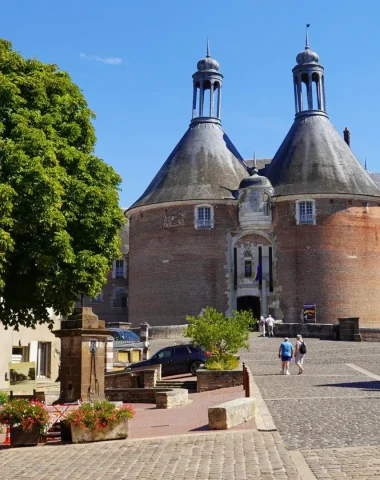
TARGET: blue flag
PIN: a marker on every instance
(258, 273)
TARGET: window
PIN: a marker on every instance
(248, 268)
(167, 352)
(124, 302)
(306, 212)
(181, 351)
(119, 269)
(204, 216)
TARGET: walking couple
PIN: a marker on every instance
(287, 351)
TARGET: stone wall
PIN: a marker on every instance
(334, 264)
(324, 331)
(166, 332)
(370, 334)
(175, 269)
(131, 395)
(214, 379)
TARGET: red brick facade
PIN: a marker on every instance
(334, 264)
(174, 269)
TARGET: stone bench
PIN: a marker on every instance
(232, 413)
(172, 398)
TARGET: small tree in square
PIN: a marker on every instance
(222, 335)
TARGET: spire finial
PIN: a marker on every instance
(307, 37)
(255, 169)
(365, 163)
(208, 54)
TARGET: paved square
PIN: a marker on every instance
(328, 423)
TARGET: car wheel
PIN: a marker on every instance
(194, 367)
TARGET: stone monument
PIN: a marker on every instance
(83, 345)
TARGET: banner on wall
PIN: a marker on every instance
(309, 313)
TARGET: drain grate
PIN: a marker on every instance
(155, 426)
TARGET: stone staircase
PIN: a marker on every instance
(190, 385)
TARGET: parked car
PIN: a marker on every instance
(122, 335)
(176, 359)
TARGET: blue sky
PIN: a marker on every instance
(134, 61)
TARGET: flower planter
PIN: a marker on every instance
(82, 435)
(20, 438)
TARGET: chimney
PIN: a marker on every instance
(347, 136)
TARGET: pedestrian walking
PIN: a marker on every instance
(270, 325)
(300, 351)
(286, 354)
(262, 326)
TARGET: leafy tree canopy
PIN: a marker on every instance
(220, 334)
(59, 211)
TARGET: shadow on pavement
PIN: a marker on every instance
(365, 386)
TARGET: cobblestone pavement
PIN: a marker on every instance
(328, 422)
(340, 463)
(331, 404)
(215, 456)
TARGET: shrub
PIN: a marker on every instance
(25, 414)
(225, 363)
(220, 334)
(3, 397)
(99, 415)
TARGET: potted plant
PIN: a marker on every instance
(94, 422)
(27, 419)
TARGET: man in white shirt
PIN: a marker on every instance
(270, 325)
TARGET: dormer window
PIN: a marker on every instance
(204, 217)
(305, 212)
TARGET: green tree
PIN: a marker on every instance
(218, 333)
(59, 211)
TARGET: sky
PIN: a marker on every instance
(134, 62)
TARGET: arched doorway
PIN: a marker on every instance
(250, 303)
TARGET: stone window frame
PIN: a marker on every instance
(117, 270)
(313, 214)
(196, 219)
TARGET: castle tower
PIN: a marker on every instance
(326, 217)
(179, 227)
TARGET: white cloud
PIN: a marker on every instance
(107, 60)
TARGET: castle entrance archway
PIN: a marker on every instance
(250, 303)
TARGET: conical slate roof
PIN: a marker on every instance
(204, 165)
(314, 158)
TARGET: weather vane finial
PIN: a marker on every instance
(307, 37)
(208, 55)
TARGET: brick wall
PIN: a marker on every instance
(174, 269)
(214, 379)
(334, 264)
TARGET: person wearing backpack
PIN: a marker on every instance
(300, 351)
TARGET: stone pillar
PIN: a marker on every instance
(109, 354)
(83, 339)
(144, 334)
(349, 329)
(211, 100)
(264, 300)
(309, 87)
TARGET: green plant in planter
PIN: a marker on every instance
(220, 334)
(99, 415)
(228, 362)
(3, 397)
(25, 414)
